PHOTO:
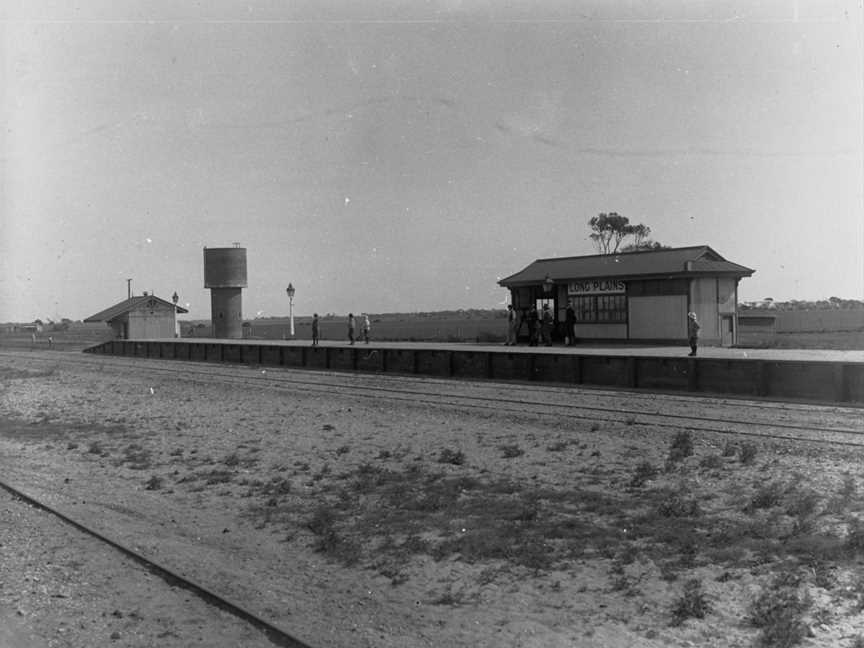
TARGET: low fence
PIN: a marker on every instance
(777, 379)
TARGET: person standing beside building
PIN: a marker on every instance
(692, 332)
(352, 327)
(316, 331)
(570, 324)
(511, 326)
(365, 328)
(546, 326)
(533, 318)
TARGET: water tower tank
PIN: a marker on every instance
(225, 276)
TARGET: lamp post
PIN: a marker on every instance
(290, 290)
(174, 299)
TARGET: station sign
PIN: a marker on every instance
(596, 287)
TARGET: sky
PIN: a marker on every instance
(387, 156)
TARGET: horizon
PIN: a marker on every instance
(286, 317)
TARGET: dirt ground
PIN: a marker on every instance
(351, 521)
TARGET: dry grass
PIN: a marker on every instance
(467, 509)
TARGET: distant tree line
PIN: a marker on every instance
(832, 303)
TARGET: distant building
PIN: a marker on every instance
(636, 296)
(35, 327)
(145, 317)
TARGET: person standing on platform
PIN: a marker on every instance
(511, 326)
(316, 331)
(546, 326)
(533, 318)
(692, 332)
(570, 324)
(352, 327)
(365, 327)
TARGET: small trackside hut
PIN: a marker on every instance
(142, 317)
(640, 297)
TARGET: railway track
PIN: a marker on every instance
(818, 424)
(276, 635)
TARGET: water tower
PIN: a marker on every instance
(225, 276)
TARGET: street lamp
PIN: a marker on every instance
(174, 299)
(290, 290)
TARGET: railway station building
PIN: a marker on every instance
(141, 317)
(635, 296)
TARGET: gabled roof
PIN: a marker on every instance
(126, 306)
(685, 261)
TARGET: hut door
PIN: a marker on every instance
(727, 337)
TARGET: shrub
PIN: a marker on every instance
(277, 486)
(730, 449)
(841, 501)
(644, 472)
(678, 506)
(766, 497)
(217, 477)
(815, 549)
(804, 507)
(748, 453)
(849, 488)
(711, 462)
(457, 458)
(692, 603)
(854, 544)
(136, 457)
(332, 544)
(322, 472)
(681, 447)
(322, 521)
(804, 504)
(512, 451)
(855, 591)
(779, 611)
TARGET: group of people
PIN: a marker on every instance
(540, 324)
(365, 328)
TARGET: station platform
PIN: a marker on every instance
(781, 374)
(826, 355)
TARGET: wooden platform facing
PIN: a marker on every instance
(798, 375)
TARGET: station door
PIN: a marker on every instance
(727, 332)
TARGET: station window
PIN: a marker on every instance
(600, 309)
